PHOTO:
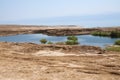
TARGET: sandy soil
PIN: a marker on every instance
(6, 30)
(28, 61)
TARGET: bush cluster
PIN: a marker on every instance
(72, 40)
(113, 48)
(113, 34)
(43, 41)
(117, 42)
(60, 43)
(101, 33)
(50, 42)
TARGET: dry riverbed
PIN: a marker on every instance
(28, 61)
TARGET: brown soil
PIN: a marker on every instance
(6, 30)
(28, 61)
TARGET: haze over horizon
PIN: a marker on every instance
(87, 13)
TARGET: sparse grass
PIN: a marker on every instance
(50, 42)
(60, 43)
(117, 42)
(113, 48)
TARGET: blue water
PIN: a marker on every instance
(83, 39)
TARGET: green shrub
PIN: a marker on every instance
(50, 42)
(72, 40)
(115, 34)
(101, 33)
(117, 42)
(113, 48)
(60, 43)
(43, 41)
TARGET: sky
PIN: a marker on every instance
(90, 13)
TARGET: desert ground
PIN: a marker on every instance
(6, 30)
(29, 61)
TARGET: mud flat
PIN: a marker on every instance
(28, 61)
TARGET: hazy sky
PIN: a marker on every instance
(17, 11)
